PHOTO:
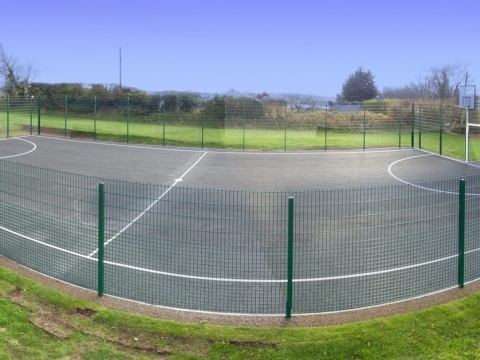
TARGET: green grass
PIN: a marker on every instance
(41, 323)
(171, 134)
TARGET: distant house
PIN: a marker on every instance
(239, 95)
(347, 108)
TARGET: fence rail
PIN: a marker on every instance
(242, 252)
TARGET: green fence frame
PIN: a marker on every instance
(294, 292)
(324, 129)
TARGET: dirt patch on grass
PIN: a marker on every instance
(15, 293)
(85, 312)
(52, 324)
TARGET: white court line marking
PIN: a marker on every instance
(44, 243)
(238, 152)
(149, 207)
(330, 278)
(424, 187)
(89, 257)
(25, 153)
(450, 158)
(120, 145)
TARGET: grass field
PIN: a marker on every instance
(169, 134)
(41, 323)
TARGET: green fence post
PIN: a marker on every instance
(101, 238)
(412, 140)
(441, 128)
(65, 127)
(400, 128)
(326, 116)
(243, 144)
(31, 115)
(364, 125)
(285, 135)
(8, 116)
(163, 125)
(39, 113)
(420, 126)
(461, 234)
(95, 118)
(202, 117)
(290, 260)
(128, 119)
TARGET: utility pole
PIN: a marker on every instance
(120, 55)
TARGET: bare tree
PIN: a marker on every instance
(406, 92)
(295, 101)
(16, 75)
(423, 87)
(442, 83)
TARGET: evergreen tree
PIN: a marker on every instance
(359, 86)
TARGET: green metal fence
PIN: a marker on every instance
(238, 251)
(244, 123)
(18, 116)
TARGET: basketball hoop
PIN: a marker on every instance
(466, 100)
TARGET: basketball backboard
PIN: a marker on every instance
(467, 97)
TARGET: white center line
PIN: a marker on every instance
(149, 207)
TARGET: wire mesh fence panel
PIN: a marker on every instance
(242, 113)
(430, 127)
(181, 120)
(266, 127)
(387, 124)
(4, 115)
(473, 134)
(345, 130)
(453, 139)
(226, 250)
(178, 134)
(17, 115)
(67, 116)
(111, 116)
(48, 221)
(472, 228)
(361, 247)
(239, 121)
(306, 128)
(195, 249)
(439, 128)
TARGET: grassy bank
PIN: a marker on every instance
(40, 323)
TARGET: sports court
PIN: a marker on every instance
(235, 169)
(205, 230)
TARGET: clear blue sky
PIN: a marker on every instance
(304, 46)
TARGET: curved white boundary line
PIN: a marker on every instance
(25, 153)
(252, 314)
(424, 187)
(205, 278)
(234, 152)
(45, 244)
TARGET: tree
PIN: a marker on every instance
(442, 83)
(214, 111)
(262, 96)
(359, 86)
(16, 76)
(448, 79)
